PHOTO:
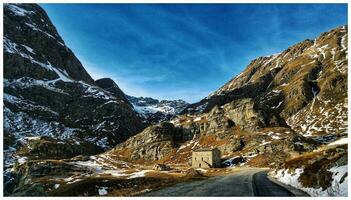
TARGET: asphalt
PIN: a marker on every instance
(264, 187)
(248, 182)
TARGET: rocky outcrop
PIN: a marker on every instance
(109, 85)
(27, 176)
(153, 143)
(48, 148)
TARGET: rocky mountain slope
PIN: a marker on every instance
(279, 107)
(53, 109)
(153, 111)
(295, 87)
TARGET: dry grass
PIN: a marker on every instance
(331, 153)
(115, 187)
(211, 141)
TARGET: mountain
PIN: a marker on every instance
(149, 110)
(280, 110)
(153, 111)
(110, 86)
(292, 88)
(53, 109)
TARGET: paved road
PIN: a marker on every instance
(249, 182)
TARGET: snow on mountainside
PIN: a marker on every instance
(27, 33)
(322, 172)
(53, 79)
(337, 188)
(48, 95)
(155, 111)
(149, 110)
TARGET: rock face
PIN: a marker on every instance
(49, 96)
(153, 143)
(153, 111)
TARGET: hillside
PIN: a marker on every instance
(295, 87)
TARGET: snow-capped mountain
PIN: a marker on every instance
(50, 85)
(155, 111)
(52, 106)
(149, 110)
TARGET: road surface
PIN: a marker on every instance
(248, 182)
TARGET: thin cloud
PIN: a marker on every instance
(184, 51)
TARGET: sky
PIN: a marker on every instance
(184, 51)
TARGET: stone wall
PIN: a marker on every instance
(206, 159)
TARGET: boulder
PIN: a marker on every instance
(161, 167)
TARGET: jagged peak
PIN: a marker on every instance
(42, 63)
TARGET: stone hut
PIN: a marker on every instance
(206, 158)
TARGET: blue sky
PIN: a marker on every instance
(175, 51)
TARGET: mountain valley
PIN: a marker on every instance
(66, 134)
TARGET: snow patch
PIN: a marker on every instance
(27, 105)
(101, 142)
(338, 187)
(343, 42)
(16, 10)
(201, 170)
(30, 50)
(11, 47)
(102, 191)
(33, 138)
(96, 92)
(139, 174)
(22, 125)
(340, 142)
(144, 110)
(197, 119)
(27, 82)
(229, 162)
(22, 160)
(37, 29)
